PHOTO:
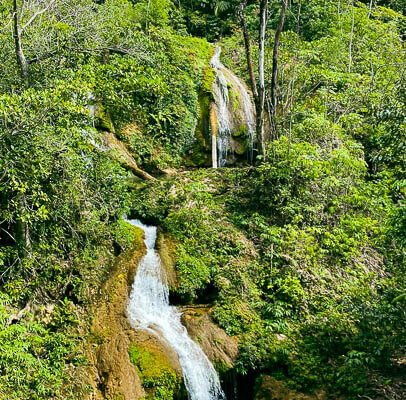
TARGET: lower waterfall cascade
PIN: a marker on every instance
(149, 310)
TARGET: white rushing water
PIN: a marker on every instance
(224, 114)
(220, 89)
(149, 309)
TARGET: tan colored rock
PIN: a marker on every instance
(218, 346)
(117, 376)
(120, 153)
(272, 389)
(111, 373)
(166, 245)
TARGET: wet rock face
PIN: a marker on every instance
(221, 349)
(116, 375)
(272, 389)
(111, 374)
(227, 112)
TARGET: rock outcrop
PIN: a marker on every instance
(272, 389)
(111, 374)
(221, 349)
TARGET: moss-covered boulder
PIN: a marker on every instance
(159, 378)
(166, 247)
(272, 389)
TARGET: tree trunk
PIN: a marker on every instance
(274, 83)
(371, 3)
(248, 50)
(263, 15)
(21, 60)
(22, 232)
(351, 39)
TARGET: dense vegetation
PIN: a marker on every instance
(302, 255)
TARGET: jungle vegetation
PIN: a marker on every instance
(301, 254)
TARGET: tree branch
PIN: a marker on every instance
(37, 14)
(78, 50)
(248, 50)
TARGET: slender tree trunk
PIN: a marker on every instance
(351, 38)
(22, 232)
(292, 88)
(371, 3)
(247, 44)
(21, 60)
(274, 82)
(261, 75)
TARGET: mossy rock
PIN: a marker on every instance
(240, 147)
(199, 154)
(220, 348)
(166, 246)
(103, 121)
(234, 97)
(197, 157)
(208, 75)
(271, 389)
(242, 132)
(158, 378)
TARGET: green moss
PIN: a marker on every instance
(241, 133)
(208, 79)
(103, 121)
(199, 153)
(208, 75)
(236, 101)
(158, 378)
(222, 367)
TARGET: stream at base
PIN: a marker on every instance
(149, 309)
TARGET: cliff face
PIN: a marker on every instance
(111, 374)
(124, 362)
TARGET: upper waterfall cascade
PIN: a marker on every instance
(149, 309)
(225, 80)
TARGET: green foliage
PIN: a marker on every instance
(125, 234)
(32, 357)
(158, 378)
(302, 256)
(55, 183)
(153, 12)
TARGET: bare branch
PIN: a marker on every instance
(37, 14)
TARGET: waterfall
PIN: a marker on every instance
(225, 79)
(149, 309)
(220, 89)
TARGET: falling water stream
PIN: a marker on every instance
(149, 309)
(224, 78)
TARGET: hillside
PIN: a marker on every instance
(267, 142)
